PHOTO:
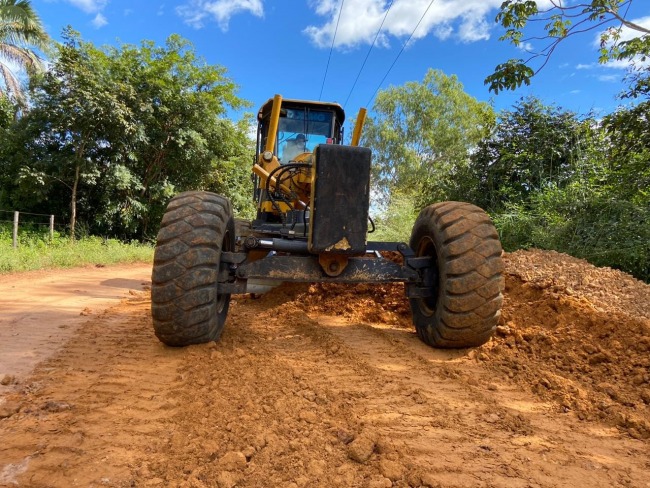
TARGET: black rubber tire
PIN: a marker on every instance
(243, 229)
(468, 283)
(185, 305)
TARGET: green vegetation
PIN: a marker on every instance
(21, 32)
(555, 181)
(111, 134)
(608, 19)
(396, 223)
(551, 180)
(422, 133)
(35, 251)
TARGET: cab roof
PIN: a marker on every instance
(265, 110)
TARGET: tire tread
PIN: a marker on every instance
(186, 261)
(468, 255)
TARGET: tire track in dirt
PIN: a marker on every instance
(501, 435)
(293, 397)
(96, 405)
(323, 397)
(41, 309)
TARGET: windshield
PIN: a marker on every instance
(301, 130)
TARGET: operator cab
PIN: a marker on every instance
(290, 136)
(302, 126)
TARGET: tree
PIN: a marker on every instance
(629, 153)
(179, 103)
(231, 174)
(421, 134)
(118, 131)
(7, 117)
(20, 32)
(532, 145)
(7, 112)
(77, 122)
(559, 22)
(554, 180)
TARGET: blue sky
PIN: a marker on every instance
(284, 46)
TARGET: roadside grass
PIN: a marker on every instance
(35, 251)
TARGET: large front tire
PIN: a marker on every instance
(467, 281)
(185, 304)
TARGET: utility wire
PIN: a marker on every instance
(400, 53)
(368, 54)
(331, 49)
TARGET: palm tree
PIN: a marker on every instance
(20, 32)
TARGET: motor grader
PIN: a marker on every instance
(312, 194)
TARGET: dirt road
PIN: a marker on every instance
(40, 310)
(329, 386)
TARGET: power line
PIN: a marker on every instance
(336, 29)
(400, 53)
(368, 54)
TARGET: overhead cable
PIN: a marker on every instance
(368, 54)
(400, 53)
(331, 49)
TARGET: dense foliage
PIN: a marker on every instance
(530, 147)
(580, 189)
(554, 180)
(422, 135)
(113, 133)
(596, 204)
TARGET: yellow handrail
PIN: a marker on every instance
(273, 127)
(358, 126)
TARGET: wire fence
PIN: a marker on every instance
(29, 224)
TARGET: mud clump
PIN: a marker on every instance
(375, 303)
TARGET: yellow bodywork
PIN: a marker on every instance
(299, 187)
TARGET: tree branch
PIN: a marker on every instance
(628, 24)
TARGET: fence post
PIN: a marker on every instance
(51, 228)
(15, 235)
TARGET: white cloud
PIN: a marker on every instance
(618, 64)
(467, 21)
(626, 35)
(196, 12)
(89, 6)
(474, 28)
(526, 47)
(99, 21)
(443, 31)
(609, 78)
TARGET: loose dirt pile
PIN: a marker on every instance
(329, 386)
(571, 332)
(578, 335)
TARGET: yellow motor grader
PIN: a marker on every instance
(312, 194)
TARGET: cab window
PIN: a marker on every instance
(301, 130)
